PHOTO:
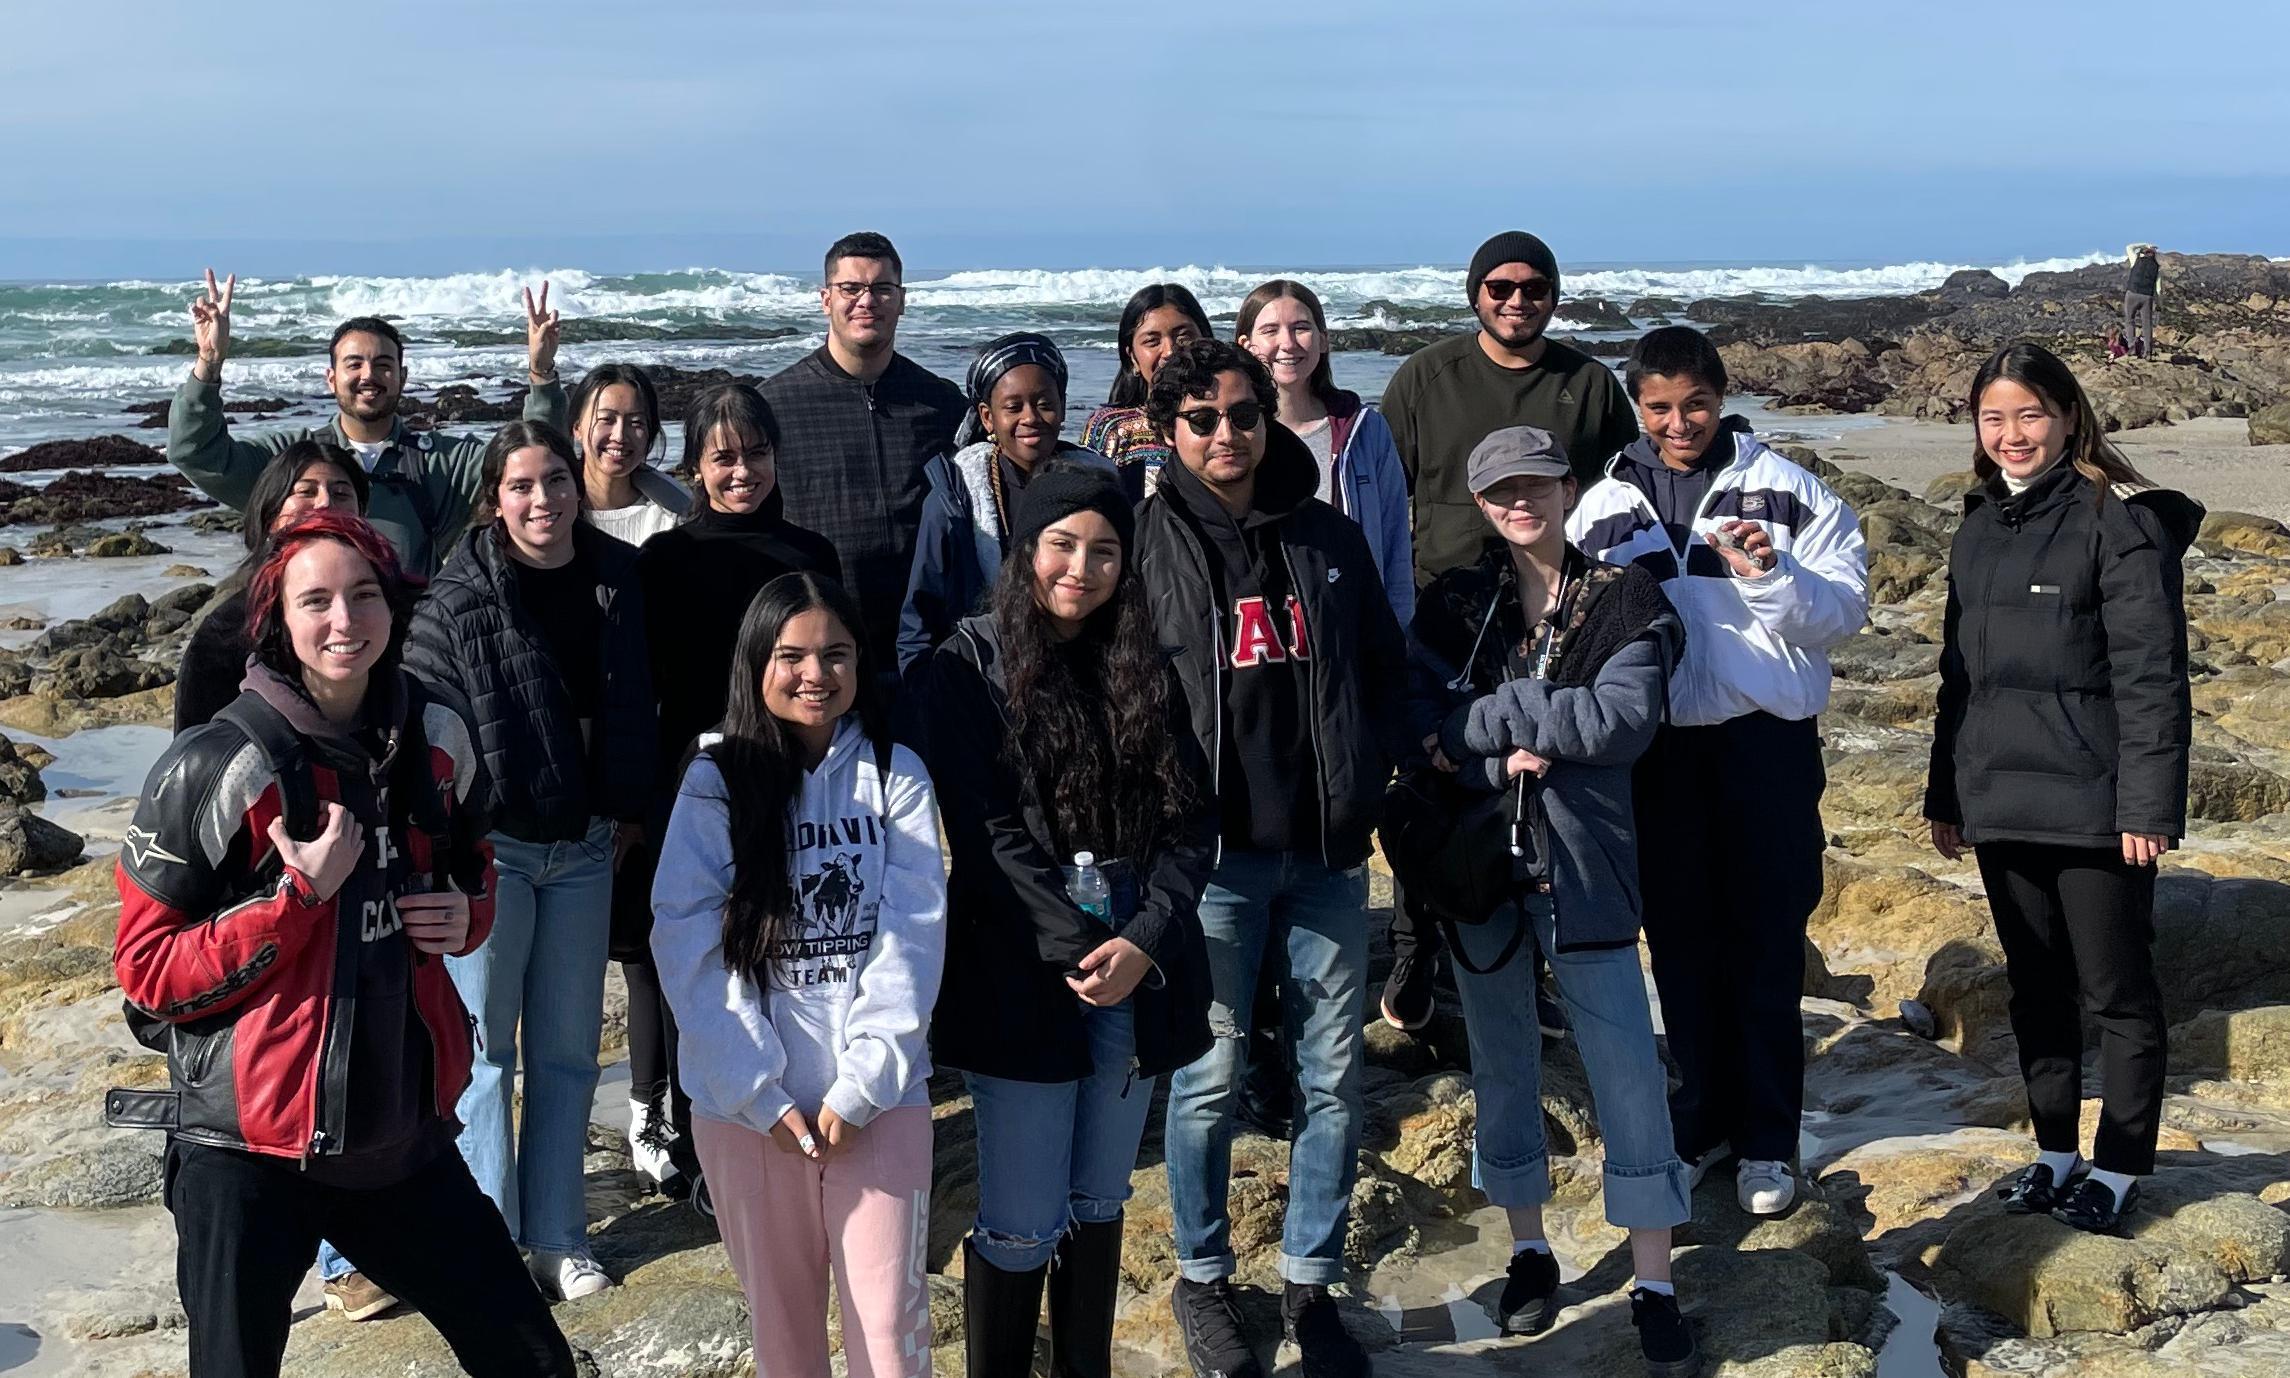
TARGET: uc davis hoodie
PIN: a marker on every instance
(844, 1022)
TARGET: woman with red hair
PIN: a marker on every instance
(296, 871)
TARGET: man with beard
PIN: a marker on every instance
(1445, 400)
(424, 484)
(858, 421)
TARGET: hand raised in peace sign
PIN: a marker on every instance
(540, 335)
(211, 325)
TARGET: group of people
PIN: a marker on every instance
(891, 730)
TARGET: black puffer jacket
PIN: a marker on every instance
(1360, 714)
(471, 632)
(1004, 1008)
(2064, 713)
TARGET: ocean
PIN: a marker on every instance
(74, 355)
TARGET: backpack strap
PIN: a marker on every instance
(283, 750)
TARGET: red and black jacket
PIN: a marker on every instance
(231, 962)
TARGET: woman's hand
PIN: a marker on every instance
(1111, 973)
(437, 922)
(835, 1132)
(327, 860)
(793, 1134)
(1523, 762)
(2142, 849)
(1947, 839)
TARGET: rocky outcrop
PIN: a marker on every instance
(2271, 425)
(30, 843)
(99, 453)
(84, 496)
(20, 781)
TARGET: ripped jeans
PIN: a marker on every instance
(1055, 1152)
(1312, 922)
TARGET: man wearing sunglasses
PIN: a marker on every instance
(857, 422)
(1443, 401)
(1292, 665)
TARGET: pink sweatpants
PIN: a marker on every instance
(785, 1219)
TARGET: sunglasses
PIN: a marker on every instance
(1245, 416)
(1533, 289)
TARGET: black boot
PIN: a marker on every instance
(1082, 1290)
(1000, 1312)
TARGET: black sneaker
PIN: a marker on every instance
(1530, 1294)
(1216, 1343)
(1663, 1335)
(2090, 1205)
(1326, 1348)
(2035, 1191)
(1407, 991)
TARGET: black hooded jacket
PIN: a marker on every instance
(2064, 712)
(473, 633)
(1346, 674)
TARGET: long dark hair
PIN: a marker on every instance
(738, 404)
(1129, 385)
(520, 435)
(275, 484)
(2043, 373)
(1323, 379)
(603, 376)
(1089, 729)
(761, 763)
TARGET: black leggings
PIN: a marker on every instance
(2078, 929)
(246, 1226)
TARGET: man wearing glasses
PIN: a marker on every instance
(1294, 680)
(857, 421)
(1443, 401)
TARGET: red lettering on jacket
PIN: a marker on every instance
(1256, 637)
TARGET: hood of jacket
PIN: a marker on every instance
(1286, 477)
(1715, 456)
(383, 711)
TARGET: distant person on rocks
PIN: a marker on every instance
(2140, 287)
(616, 422)
(322, 840)
(1767, 569)
(424, 484)
(2116, 349)
(2059, 759)
(1443, 401)
(1158, 318)
(857, 423)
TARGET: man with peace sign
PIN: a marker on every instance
(424, 484)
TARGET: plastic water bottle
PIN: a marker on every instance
(1085, 886)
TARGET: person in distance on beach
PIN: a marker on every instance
(2060, 760)
(1159, 317)
(2140, 286)
(538, 622)
(1294, 676)
(616, 421)
(424, 484)
(698, 579)
(1767, 570)
(857, 422)
(1546, 672)
(327, 834)
(1057, 728)
(800, 931)
(1442, 402)
(1017, 408)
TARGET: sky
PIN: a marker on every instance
(423, 136)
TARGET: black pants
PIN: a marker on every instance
(2078, 929)
(652, 1057)
(246, 1226)
(1729, 866)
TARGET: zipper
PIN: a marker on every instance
(329, 1111)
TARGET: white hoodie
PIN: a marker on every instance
(845, 1019)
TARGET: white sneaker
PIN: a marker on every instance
(649, 1138)
(1764, 1187)
(1700, 1167)
(568, 1276)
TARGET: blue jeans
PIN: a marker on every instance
(1056, 1153)
(1290, 909)
(1605, 997)
(541, 974)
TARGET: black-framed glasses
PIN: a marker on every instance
(1533, 289)
(1245, 416)
(880, 291)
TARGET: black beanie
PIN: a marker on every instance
(1061, 488)
(1511, 246)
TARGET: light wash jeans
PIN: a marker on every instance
(540, 974)
(1605, 997)
(1291, 909)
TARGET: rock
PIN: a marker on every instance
(1814, 1228)
(1974, 282)
(29, 842)
(183, 572)
(54, 717)
(188, 598)
(10, 555)
(98, 672)
(2048, 1279)
(122, 1173)
(2219, 943)
(101, 452)
(20, 781)
(2246, 1045)
(1948, 490)
(1903, 557)
(215, 521)
(2271, 425)
(1593, 313)
(125, 543)
(2225, 532)
(1654, 306)
(79, 497)
(122, 613)
(2233, 793)
(1879, 657)
(459, 403)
